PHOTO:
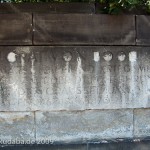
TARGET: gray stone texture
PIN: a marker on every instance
(16, 29)
(142, 145)
(71, 94)
(142, 29)
(17, 127)
(46, 147)
(83, 29)
(141, 123)
(108, 146)
(74, 78)
(61, 8)
(82, 126)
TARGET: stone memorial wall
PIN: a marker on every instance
(74, 78)
(68, 77)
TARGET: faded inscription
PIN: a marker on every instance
(48, 78)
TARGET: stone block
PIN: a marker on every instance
(141, 123)
(142, 29)
(142, 145)
(58, 8)
(83, 29)
(46, 147)
(16, 29)
(74, 78)
(17, 128)
(83, 126)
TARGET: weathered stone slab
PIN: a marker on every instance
(17, 127)
(144, 145)
(47, 7)
(83, 29)
(108, 146)
(16, 29)
(143, 32)
(74, 78)
(83, 126)
(142, 123)
(46, 147)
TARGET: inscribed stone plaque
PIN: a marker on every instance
(56, 78)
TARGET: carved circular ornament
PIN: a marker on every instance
(11, 57)
(67, 56)
(121, 56)
(107, 56)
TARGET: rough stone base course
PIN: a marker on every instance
(73, 126)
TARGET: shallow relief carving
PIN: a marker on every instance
(58, 78)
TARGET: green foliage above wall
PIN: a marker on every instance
(118, 6)
(106, 6)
